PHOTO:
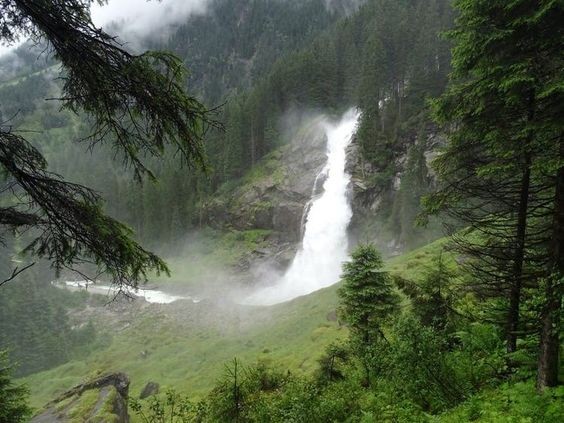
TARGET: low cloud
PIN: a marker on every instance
(134, 20)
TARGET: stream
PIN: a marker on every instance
(150, 295)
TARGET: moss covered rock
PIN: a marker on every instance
(102, 400)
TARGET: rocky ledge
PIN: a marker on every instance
(273, 195)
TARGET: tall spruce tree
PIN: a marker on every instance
(503, 112)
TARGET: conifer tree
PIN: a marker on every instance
(367, 300)
(367, 296)
(13, 407)
(136, 103)
(503, 112)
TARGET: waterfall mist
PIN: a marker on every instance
(324, 245)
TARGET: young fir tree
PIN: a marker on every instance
(367, 299)
(367, 296)
(504, 111)
(13, 407)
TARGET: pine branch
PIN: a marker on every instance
(15, 273)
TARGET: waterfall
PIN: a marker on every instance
(324, 245)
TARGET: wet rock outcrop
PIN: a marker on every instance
(273, 195)
(102, 400)
(375, 191)
(150, 389)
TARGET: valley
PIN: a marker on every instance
(281, 211)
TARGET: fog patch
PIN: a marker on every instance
(136, 20)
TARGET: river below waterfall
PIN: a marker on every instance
(150, 295)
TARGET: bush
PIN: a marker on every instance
(172, 408)
(418, 366)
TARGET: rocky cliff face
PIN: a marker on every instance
(375, 193)
(103, 400)
(273, 195)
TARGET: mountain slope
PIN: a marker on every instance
(186, 345)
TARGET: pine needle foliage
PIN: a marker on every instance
(13, 407)
(502, 172)
(367, 295)
(137, 103)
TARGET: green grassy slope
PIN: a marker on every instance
(414, 264)
(190, 356)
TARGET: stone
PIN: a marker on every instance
(332, 316)
(287, 218)
(396, 182)
(103, 399)
(150, 389)
(276, 198)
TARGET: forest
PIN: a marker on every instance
(186, 169)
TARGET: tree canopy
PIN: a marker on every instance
(502, 172)
(135, 102)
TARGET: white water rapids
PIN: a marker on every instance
(150, 295)
(324, 246)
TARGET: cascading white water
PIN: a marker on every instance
(150, 295)
(324, 247)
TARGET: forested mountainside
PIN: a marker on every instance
(235, 43)
(386, 58)
(271, 65)
(229, 49)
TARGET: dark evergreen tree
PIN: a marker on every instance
(13, 407)
(137, 103)
(503, 130)
(367, 300)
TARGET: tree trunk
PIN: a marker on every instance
(253, 145)
(521, 233)
(547, 375)
(367, 381)
(517, 272)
